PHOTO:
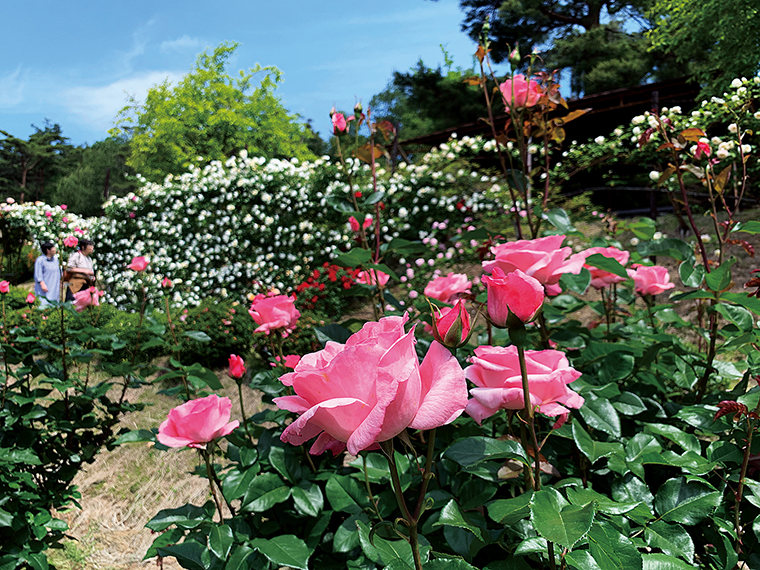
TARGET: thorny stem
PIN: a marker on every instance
(242, 410)
(427, 474)
(742, 476)
(211, 478)
(411, 522)
(370, 495)
(702, 385)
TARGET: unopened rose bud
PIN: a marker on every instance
(451, 326)
(358, 109)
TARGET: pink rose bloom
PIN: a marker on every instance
(451, 325)
(371, 277)
(30, 298)
(600, 278)
(139, 263)
(292, 360)
(48, 214)
(70, 241)
(65, 220)
(367, 222)
(5, 286)
(275, 312)
(195, 423)
(339, 123)
(166, 283)
(520, 91)
(87, 297)
(354, 223)
(702, 148)
(495, 371)
(515, 293)
(237, 366)
(64, 207)
(370, 389)
(651, 279)
(543, 259)
(446, 289)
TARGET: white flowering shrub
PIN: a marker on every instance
(43, 222)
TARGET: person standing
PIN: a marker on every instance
(79, 267)
(47, 275)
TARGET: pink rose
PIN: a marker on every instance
(354, 223)
(195, 423)
(370, 389)
(166, 283)
(371, 277)
(599, 277)
(65, 220)
(543, 259)
(515, 293)
(447, 289)
(237, 367)
(64, 207)
(48, 214)
(520, 91)
(30, 298)
(275, 312)
(87, 297)
(70, 241)
(292, 360)
(367, 222)
(339, 123)
(5, 286)
(702, 148)
(495, 371)
(451, 325)
(651, 279)
(139, 263)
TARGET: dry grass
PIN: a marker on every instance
(124, 488)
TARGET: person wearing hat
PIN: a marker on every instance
(47, 275)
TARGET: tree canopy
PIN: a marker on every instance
(715, 40)
(210, 114)
(591, 37)
(424, 100)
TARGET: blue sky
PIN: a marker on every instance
(74, 62)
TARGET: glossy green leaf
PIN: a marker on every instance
(643, 228)
(171, 536)
(671, 538)
(353, 258)
(264, 492)
(239, 558)
(577, 284)
(236, 482)
(560, 220)
(448, 564)
(220, 540)
(591, 448)
(685, 502)
(345, 495)
(687, 441)
(284, 550)
(668, 247)
(346, 538)
(657, 561)
(136, 436)
(611, 550)
(509, 511)
(629, 404)
(581, 560)
(564, 525)
(187, 517)
(750, 227)
(691, 275)
(473, 450)
(451, 515)
(308, 499)
(606, 264)
(188, 554)
(601, 414)
(720, 277)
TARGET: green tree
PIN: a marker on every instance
(29, 167)
(100, 171)
(210, 114)
(425, 100)
(715, 40)
(590, 37)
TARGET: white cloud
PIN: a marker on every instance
(12, 88)
(98, 106)
(183, 44)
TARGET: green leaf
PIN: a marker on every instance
(724, 452)
(385, 552)
(691, 275)
(669, 247)
(611, 550)
(672, 539)
(657, 561)
(564, 525)
(38, 561)
(560, 220)
(353, 258)
(606, 264)
(220, 541)
(600, 414)
(473, 450)
(382, 267)
(739, 316)
(285, 550)
(591, 448)
(136, 436)
(374, 198)
(687, 441)
(334, 333)
(616, 366)
(187, 517)
(451, 515)
(580, 496)
(750, 227)
(164, 539)
(643, 228)
(581, 560)
(575, 283)
(264, 492)
(308, 499)
(405, 247)
(685, 502)
(344, 494)
(720, 278)
(6, 518)
(629, 404)
(508, 511)
(200, 336)
(188, 554)
(448, 564)
(238, 559)
(237, 481)
(346, 538)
